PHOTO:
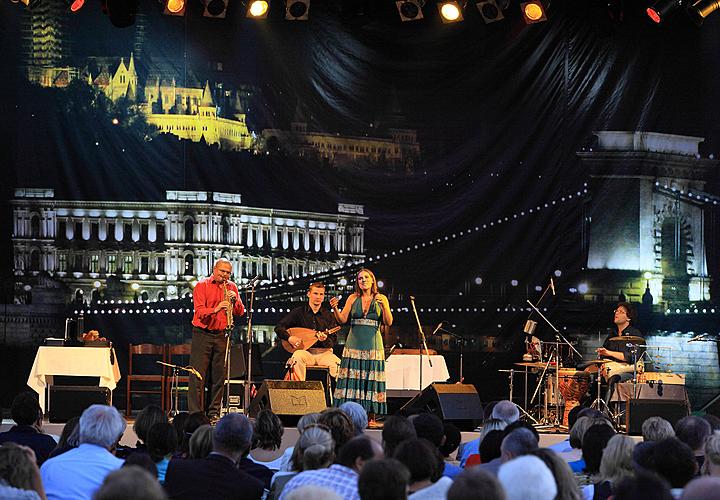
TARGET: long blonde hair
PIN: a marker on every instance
(616, 463)
(712, 452)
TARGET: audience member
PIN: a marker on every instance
(396, 430)
(430, 427)
(657, 429)
(314, 492)
(577, 431)
(519, 424)
(693, 431)
(161, 445)
(384, 479)
(567, 488)
(178, 423)
(27, 414)
(490, 448)
(143, 461)
(469, 453)
(675, 462)
(506, 411)
(453, 436)
(643, 485)
(194, 421)
(69, 438)
(78, 473)
(147, 417)
(267, 440)
(217, 475)
(517, 442)
(475, 484)
(341, 477)
(593, 443)
(19, 473)
(702, 488)
(201, 442)
(527, 478)
(357, 414)
(340, 425)
(615, 465)
(643, 456)
(564, 445)
(425, 464)
(711, 465)
(130, 482)
(305, 421)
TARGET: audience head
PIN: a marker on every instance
(617, 459)
(593, 443)
(383, 479)
(491, 424)
(396, 430)
(340, 425)
(178, 422)
(130, 482)
(314, 492)
(693, 431)
(702, 488)
(590, 412)
(267, 431)
(315, 449)
(421, 458)
(307, 420)
(711, 465)
(452, 439)
(357, 414)
(17, 465)
(161, 441)
(519, 424)
(70, 434)
(101, 425)
(674, 461)
(643, 485)
(25, 409)
(490, 446)
(142, 460)
(506, 411)
(573, 415)
(147, 417)
(194, 421)
(643, 456)
(232, 434)
(657, 429)
(359, 450)
(430, 427)
(567, 487)
(527, 478)
(201, 442)
(488, 409)
(517, 443)
(578, 430)
(475, 484)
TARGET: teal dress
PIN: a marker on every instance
(361, 377)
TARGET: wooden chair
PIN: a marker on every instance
(177, 355)
(156, 378)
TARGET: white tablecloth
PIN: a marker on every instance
(403, 371)
(78, 361)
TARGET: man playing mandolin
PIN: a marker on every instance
(306, 332)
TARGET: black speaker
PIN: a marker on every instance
(238, 361)
(288, 399)
(458, 403)
(66, 402)
(639, 410)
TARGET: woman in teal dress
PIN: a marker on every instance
(362, 369)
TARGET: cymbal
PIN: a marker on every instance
(628, 338)
(598, 361)
(536, 364)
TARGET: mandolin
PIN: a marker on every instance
(308, 336)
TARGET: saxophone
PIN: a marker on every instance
(229, 311)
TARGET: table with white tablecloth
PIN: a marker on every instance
(403, 371)
(77, 361)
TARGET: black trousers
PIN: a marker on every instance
(207, 351)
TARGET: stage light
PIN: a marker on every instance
(583, 288)
(173, 7)
(450, 12)
(75, 5)
(660, 9)
(490, 11)
(215, 8)
(533, 12)
(120, 12)
(700, 9)
(410, 10)
(258, 9)
(297, 10)
(647, 275)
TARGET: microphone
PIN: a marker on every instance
(552, 285)
(195, 372)
(437, 328)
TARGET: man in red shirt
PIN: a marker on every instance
(216, 300)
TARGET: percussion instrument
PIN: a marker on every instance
(629, 338)
(573, 386)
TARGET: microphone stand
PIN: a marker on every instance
(462, 341)
(422, 341)
(248, 373)
(175, 386)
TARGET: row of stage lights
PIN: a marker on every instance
(698, 10)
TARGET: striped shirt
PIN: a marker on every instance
(338, 478)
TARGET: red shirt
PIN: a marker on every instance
(207, 294)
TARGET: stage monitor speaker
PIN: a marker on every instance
(66, 402)
(288, 399)
(457, 403)
(639, 410)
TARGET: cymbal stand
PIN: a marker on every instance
(511, 373)
(175, 385)
(599, 401)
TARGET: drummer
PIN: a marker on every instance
(617, 349)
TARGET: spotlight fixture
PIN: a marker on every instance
(215, 8)
(450, 12)
(660, 9)
(700, 9)
(533, 12)
(74, 5)
(173, 7)
(297, 10)
(120, 12)
(258, 9)
(410, 10)
(490, 11)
